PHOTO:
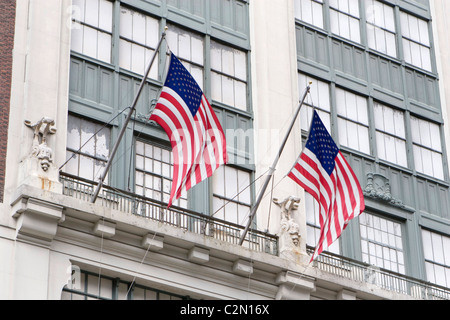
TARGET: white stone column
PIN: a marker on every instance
(40, 91)
(275, 99)
(36, 147)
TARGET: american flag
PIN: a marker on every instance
(324, 173)
(197, 139)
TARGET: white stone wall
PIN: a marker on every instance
(440, 11)
(39, 89)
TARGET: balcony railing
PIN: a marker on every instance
(385, 279)
(191, 221)
(185, 219)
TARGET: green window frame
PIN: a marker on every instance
(345, 19)
(416, 41)
(437, 257)
(313, 225)
(390, 134)
(232, 200)
(318, 99)
(153, 174)
(382, 242)
(380, 25)
(427, 147)
(87, 153)
(92, 28)
(310, 11)
(138, 35)
(93, 286)
(353, 120)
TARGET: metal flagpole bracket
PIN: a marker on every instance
(127, 120)
(272, 168)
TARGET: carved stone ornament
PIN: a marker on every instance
(40, 149)
(288, 226)
(378, 187)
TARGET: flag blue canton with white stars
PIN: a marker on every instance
(182, 82)
(321, 144)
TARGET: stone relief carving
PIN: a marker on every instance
(288, 227)
(378, 187)
(40, 149)
(145, 117)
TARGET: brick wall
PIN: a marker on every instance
(7, 19)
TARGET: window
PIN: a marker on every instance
(227, 204)
(437, 257)
(154, 173)
(381, 27)
(88, 152)
(229, 75)
(353, 122)
(92, 28)
(427, 147)
(318, 97)
(313, 224)
(390, 134)
(189, 48)
(91, 286)
(416, 41)
(139, 36)
(381, 242)
(309, 11)
(344, 19)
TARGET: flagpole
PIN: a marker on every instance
(272, 168)
(124, 127)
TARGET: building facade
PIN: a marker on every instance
(378, 74)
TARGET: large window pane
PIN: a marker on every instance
(229, 75)
(381, 242)
(309, 11)
(91, 286)
(231, 194)
(437, 257)
(353, 121)
(88, 145)
(92, 28)
(427, 147)
(189, 48)
(154, 168)
(313, 224)
(381, 27)
(416, 42)
(138, 41)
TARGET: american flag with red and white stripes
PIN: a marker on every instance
(197, 138)
(323, 172)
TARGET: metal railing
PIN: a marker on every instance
(191, 221)
(185, 219)
(385, 279)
